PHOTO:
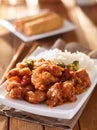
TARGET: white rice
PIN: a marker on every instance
(66, 57)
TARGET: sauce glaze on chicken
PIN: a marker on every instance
(46, 82)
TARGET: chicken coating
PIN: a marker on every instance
(45, 74)
(60, 93)
(12, 72)
(20, 91)
(16, 93)
(69, 91)
(15, 79)
(81, 81)
(41, 80)
(24, 71)
(39, 63)
(54, 95)
(47, 65)
(12, 85)
(21, 65)
(35, 97)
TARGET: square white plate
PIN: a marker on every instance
(68, 26)
(65, 111)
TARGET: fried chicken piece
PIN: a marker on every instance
(41, 80)
(54, 95)
(49, 66)
(21, 65)
(12, 72)
(39, 63)
(81, 81)
(17, 91)
(60, 93)
(12, 85)
(45, 74)
(24, 71)
(69, 91)
(14, 79)
(35, 97)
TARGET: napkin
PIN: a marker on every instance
(73, 47)
(93, 54)
(60, 44)
(48, 121)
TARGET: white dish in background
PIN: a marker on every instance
(86, 2)
(68, 26)
(65, 111)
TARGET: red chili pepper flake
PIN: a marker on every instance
(65, 75)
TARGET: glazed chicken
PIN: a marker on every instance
(46, 82)
(35, 97)
(18, 91)
(60, 93)
(19, 81)
(45, 74)
(81, 81)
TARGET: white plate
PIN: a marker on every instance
(65, 111)
(68, 26)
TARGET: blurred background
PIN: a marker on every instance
(83, 13)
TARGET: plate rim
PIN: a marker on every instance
(62, 114)
(68, 26)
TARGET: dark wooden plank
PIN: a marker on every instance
(3, 122)
(51, 128)
(76, 127)
(88, 120)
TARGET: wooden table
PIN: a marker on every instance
(85, 19)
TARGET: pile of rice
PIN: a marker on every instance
(66, 57)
